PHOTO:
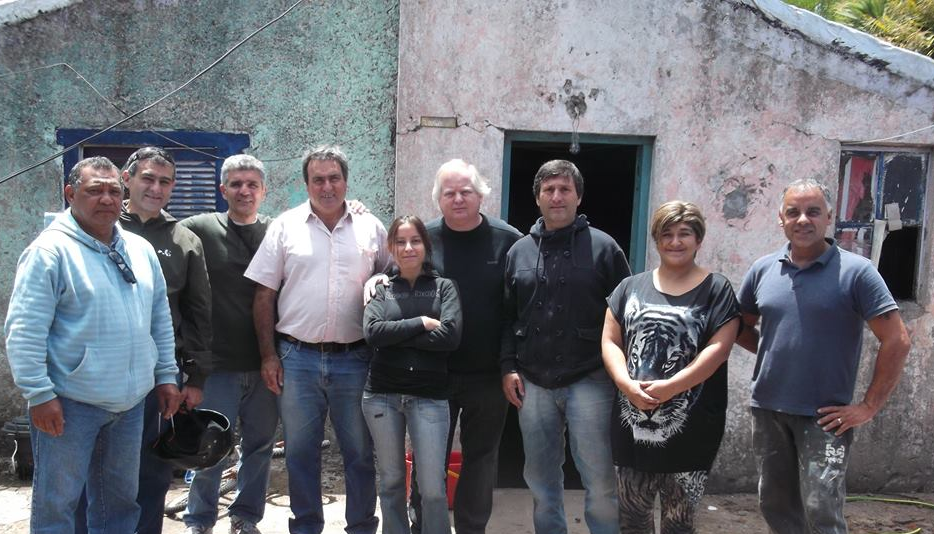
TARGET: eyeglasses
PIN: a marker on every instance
(122, 265)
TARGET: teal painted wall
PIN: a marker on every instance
(324, 73)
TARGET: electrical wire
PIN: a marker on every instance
(69, 67)
(892, 137)
(111, 103)
(159, 100)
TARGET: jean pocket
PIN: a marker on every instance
(285, 349)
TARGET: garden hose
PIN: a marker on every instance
(892, 500)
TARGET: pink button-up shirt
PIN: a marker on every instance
(319, 273)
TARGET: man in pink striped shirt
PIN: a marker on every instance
(311, 268)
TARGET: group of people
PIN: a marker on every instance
(121, 316)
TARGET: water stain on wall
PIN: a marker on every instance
(736, 196)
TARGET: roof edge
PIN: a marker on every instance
(863, 46)
(22, 10)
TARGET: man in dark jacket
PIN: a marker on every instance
(149, 175)
(470, 248)
(557, 280)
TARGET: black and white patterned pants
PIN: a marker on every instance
(679, 494)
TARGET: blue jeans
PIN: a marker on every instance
(247, 403)
(98, 448)
(802, 473)
(318, 384)
(155, 475)
(388, 415)
(479, 402)
(584, 407)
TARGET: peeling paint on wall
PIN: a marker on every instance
(736, 196)
(737, 107)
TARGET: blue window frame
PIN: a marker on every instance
(198, 158)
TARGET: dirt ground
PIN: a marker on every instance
(718, 514)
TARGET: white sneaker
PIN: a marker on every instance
(238, 525)
(198, 529)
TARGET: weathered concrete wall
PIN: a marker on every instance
(738, 107)
(324, 73)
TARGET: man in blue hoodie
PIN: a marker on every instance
(557, 279)
(89, 334)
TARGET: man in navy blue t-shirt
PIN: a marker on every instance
(813, 299)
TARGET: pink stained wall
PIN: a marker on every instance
(738, 104)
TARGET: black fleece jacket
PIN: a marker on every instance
(406, 357)
(555, 298)
(475, 259)
(181, 256)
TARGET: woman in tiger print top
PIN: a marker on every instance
(666, 339)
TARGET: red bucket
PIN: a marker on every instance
(454, 473)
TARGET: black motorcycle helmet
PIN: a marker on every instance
(196, 439)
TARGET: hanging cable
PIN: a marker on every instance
(893, 137)
(118, 108)
(158, 101)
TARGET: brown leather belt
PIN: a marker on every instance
(326, 346)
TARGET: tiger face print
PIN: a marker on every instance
(660, 341)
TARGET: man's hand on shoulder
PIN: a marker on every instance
(514, 389)
(48, 417)
(369, 288)
(169, 399)
(356, 207)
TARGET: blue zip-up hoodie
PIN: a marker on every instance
(75, 328)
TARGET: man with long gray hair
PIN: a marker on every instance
(470, 247)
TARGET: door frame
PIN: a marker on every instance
(643, 176)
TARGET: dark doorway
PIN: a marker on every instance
(610, 175)
(609, 180)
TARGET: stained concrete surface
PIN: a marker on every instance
(512, 513)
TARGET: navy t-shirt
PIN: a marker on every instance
(810, 337)
(662, 335)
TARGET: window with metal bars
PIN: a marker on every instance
(198, 158)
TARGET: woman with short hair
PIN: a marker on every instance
(666, 338)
